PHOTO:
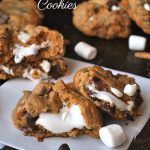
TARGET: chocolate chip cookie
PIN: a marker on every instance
(56, 110)
(31, 50)
(105, 19)
(19, 13)
(139, 11)
(118, 95)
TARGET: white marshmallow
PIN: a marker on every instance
(85, 50)
(20, 51)
(147, 6)
(24, 37)
(130, 89)
(108, 97)
(6, 69)
(116, 92)
(46, 66)
(29, 74)
(137, 43)
(66, 120)
(115, 8)
(112, 135)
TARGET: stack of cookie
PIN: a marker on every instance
(27, 50)
(111, 19)
(67, 110)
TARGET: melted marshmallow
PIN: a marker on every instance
(130, 89)
(7, 70)
(66, 120)
(24, 37)
(20, 51)
(46, 66)
(147, 6)
(106, 96)
(116, 92)
(29, 74)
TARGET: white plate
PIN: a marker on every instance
(11, 91)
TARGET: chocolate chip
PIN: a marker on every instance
(64, 147)
(138, 99)
(129, 117)
(31, 121)
(3, 17)
(112, 3)
(96, 8)
(56, 71)
(112, 110)
(100, 85)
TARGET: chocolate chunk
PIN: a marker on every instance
(138, 99)
(129, 117)
(56, 71)
(96, 9)
(64, 147)
(3, 17)
(31, 121)
(112, 3)
(100, 85)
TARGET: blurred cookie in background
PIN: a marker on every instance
(105, 19)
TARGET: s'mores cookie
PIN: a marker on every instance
(56, 110)
(29, 48)
(105, 19)
(139, 11)
(19, 13)
(118, 95)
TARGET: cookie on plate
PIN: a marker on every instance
(19, 13)
(31, 50)
(118, 95)
(55, 110)
(139, 11)
(105, 19)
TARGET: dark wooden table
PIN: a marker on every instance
(113, 54)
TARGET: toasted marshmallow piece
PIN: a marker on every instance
(35, 75)
(147, 6)
(130, 89)
(85, 50)
(137, 43)
(112, 135)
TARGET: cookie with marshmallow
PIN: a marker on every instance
(118, 95)
(56, 110)
(33, 52)
(102, 18)
(139, 11)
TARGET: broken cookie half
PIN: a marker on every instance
(118, 95)
(56, 110)
(26, 51)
